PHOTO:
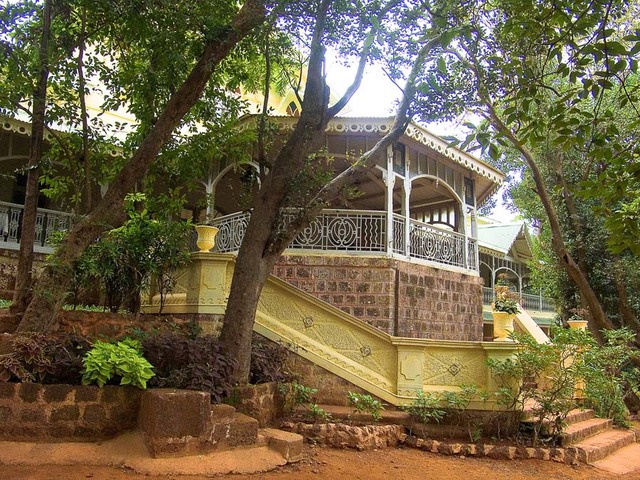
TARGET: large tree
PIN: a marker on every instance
(540, 74)
(207, 34)
(406, 36)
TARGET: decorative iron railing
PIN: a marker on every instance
(47, 222)
(360, 231)
(528, 301)
(231, 231)
(442, 246)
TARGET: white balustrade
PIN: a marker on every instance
(360, 231)
(47, 222)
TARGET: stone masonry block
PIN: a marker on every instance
(174, 413)
(29, 392)
(57, 393)
(8, 389)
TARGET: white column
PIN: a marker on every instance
(389, 180)
(406, 190)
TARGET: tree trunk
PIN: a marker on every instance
(265, 239)
(599, 318)
(24, 275)
(42, 311)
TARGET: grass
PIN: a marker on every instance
(84, 308)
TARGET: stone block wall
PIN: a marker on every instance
(9, 268)
(332, 389)
(65, 412)
(362, 287)
(262, 402)
(400, 298)
(118, 325)
(438, 304)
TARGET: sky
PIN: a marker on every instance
(376, 97)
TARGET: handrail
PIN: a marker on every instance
(47, 222)
(363, 231)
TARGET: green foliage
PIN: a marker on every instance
(268, 361)
(5, 303)
(123, 360)
(318, 414)
(506, 300)
(431, 407)
(297, 395)
(363, 403)
(126, 258)
(542, 376)
(43, 358)
(610, 375)
(193, 363)
(426, 408)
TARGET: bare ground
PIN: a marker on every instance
(327, 463)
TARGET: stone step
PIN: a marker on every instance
(243, 430)
(340, 412)
(602, 444)
(287, 444)
(576, 432)
(576, 415)
(621, 461)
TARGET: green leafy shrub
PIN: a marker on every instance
(426, 407)
(193, 363)
(298, 395)
(5, 303)
(268, 361)
(363, 403)
(610, 376)
(126, 258)
(48, 359)
(544, 376)
(431, 407)
(108, 361)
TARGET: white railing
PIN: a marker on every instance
(231, 231)
(528, 301)
(47, 222)
(442, 246)
(360, 231)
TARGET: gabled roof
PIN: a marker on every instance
(506, 238)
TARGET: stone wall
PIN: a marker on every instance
(65, 412)
(9, 268)
(332, 389)
(400, 298)
(118, 325)
(262, 402)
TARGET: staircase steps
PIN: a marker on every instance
(595, 440)
(576, 432)
(603, 444)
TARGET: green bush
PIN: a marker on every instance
(126, 258)
(363, 403)
(426, 407)
(123, 360)
(542, 376)
(41, 358)
(610, 376)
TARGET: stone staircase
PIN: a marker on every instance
(592, 439)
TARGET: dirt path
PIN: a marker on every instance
(327, 463)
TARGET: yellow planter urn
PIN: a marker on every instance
(206, 237)
(502, 326)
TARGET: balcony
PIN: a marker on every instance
(365, 232)
(47, 222)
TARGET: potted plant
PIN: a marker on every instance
(505, 309)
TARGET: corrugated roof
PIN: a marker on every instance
(502, 236)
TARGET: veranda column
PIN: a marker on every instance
(406, 213)
(389, 180)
